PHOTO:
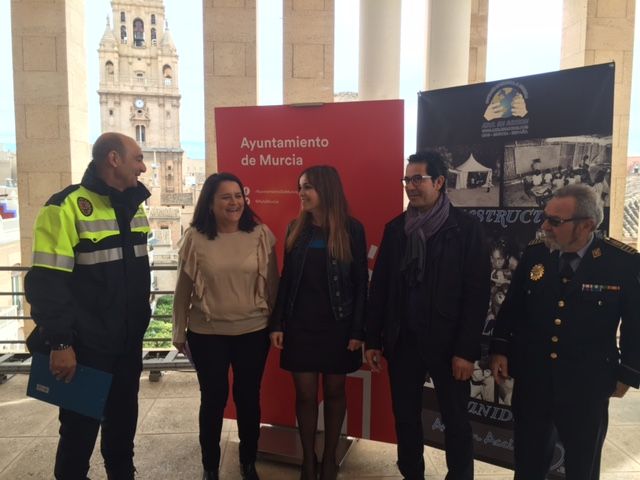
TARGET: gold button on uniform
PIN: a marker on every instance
(553, 355)
(561, 303)
(557, 321)
(554, 339)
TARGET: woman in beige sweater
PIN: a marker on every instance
(227, 283)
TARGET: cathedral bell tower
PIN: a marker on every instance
(139, 89)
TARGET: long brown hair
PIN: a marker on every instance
(334, 212)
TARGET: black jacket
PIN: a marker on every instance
(347, 282)
(90, 282)
(457, 282)
(561, 339)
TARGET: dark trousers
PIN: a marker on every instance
(408, 366)
(78, 433)
(212, 356)
(581, 426)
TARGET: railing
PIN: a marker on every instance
(155, 360)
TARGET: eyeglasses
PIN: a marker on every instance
(414, 180)
(557, 221)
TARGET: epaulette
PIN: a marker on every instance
(619, 245)
(535, 241)
(58, 198)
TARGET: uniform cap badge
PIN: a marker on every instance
(537, 272)
(85, 206)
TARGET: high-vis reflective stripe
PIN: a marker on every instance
(51, 260)
(139, 222)
(100, 256)
(140, 250)
(97, 226)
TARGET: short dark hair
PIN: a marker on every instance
(107, 142)
(435, 162)
(205, 222)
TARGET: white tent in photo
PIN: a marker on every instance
(470, 166)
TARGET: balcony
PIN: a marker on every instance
(167, 438)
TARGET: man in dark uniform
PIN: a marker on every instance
(556, 335)
(427, 307)
(89, 295)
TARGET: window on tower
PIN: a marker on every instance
(154, 40)
(167, 74)
(108, 69)
(123, 17)
(141, 134)
(123, 34)
(138, 33)
(153, 19)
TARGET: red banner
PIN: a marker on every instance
(268, 148)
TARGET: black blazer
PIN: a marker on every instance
(562, 338)
(457, 284)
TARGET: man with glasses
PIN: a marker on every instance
(427, 306)
(556, 336)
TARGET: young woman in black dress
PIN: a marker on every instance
(318, 320)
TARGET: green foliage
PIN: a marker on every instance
(161, 327)
(164, 305)
(158, 329)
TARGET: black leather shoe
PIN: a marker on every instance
(248, 471)
(210, 475)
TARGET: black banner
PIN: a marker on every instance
(510, 144)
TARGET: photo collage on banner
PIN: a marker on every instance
(510, 144)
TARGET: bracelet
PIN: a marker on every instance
(60, 346)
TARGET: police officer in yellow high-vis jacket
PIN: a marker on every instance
(89, 294)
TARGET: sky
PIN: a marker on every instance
(524, 39)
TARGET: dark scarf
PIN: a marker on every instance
(419, 227)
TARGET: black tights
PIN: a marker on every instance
(335, 406)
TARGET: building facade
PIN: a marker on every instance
(139, 89)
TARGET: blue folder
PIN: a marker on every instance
(85, 394)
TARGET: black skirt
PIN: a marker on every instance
(314, 341)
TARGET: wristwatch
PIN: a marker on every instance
(60, 346)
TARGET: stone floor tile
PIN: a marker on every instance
(35, 461)
(10, 448)
(620, 476)
(621, 439)
(171, 415)
(150, 389)
(369, 458)
(626, 410)
(180, 384)
(14, 388)
(25, 417)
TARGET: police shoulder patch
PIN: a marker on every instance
(619, 245)
(85, 206)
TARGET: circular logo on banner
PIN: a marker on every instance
(85, 206)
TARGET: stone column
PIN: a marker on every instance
(308, 43)
(229, 63)
(448, 35)
(600, 31)
(50, 83)
(478, 41)
(379, 68)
